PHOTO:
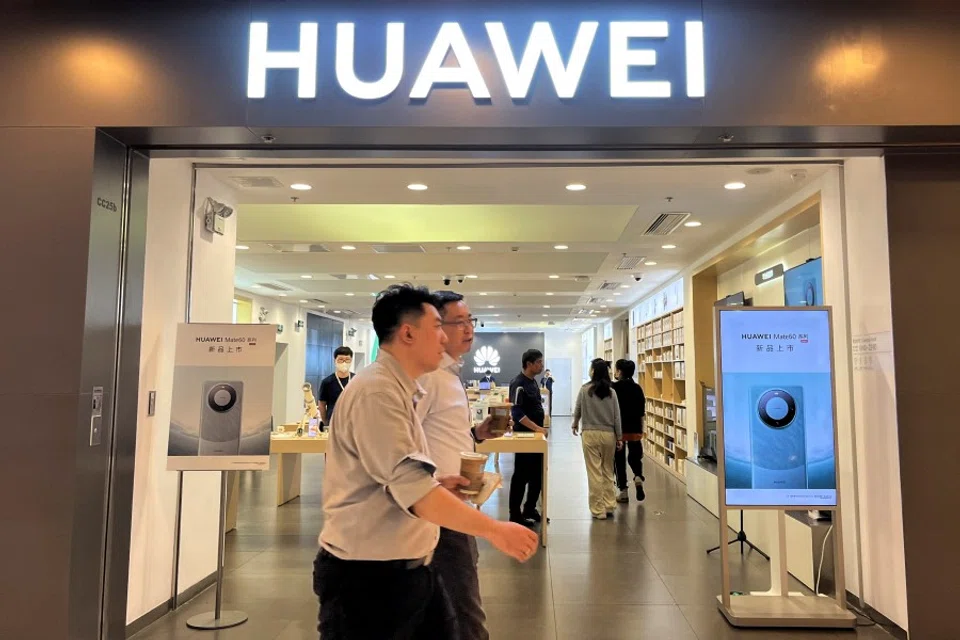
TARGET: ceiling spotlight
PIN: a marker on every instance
(734, 186)
(242, 247)
(373, 276)
(576, 186)
(546, 306)
(299, 186)
(306, 277)
(389, 277)
(624, 286)
(561, 247)
(416, 186)
(348, 247)
(554, 277)
(463, 247)
(283, 295)
(336, 310)
(491, 307)
(546, 315)
(692, 223)
(350, 295)
(321, 306)
(669, 246)
(549, 293)
(304, 301)
(650, 263)
(483, 293)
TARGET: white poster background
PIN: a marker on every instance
(228, 353)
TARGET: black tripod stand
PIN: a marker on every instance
(741, 537)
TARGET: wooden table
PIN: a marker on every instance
(290, 450)
(513, 444)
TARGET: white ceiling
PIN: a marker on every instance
(511, 217)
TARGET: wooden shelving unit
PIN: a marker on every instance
(661, 348)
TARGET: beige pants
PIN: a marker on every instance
(599, 448)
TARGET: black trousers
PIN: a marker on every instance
(632, 453)
(527, 478)
(362, 600)
(455, 560)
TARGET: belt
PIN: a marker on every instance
(405, 565)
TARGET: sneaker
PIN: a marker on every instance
(623, 497)
(533, 515)
(525, 521)
(641, 495)
(602, 516)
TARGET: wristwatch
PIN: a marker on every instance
(473, 432)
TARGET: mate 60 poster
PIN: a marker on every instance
(222, 409)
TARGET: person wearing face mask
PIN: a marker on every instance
(333, 385)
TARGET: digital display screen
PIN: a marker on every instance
(777, 408)
(484, 386)
(803, 285)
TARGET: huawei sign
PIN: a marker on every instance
(487, 359)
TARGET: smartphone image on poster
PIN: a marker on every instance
(220, 418)
(778, 438)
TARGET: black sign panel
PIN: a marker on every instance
(499, 353)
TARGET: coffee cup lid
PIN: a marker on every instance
(473, 455)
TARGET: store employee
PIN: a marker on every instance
(333, 385)
(527, 413)
(382, 503)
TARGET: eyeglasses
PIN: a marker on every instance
(463, 324)
(344, 360)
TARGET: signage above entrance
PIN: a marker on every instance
(452, 61)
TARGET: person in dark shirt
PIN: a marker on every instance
(527, 413)
(632, 409)
(333, 385)
(488, 377)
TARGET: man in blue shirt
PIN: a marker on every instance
(527, 416)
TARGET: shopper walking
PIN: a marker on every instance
(383, 505)
(445, 414)
(333, 385)
(527, 413)
(632, 409)
(598, 411)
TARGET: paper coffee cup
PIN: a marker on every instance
(471, 468)
(501, 418)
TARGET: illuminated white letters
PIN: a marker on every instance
(304, 60)
(696, 77)
(622, 57)
(517, 68)
(541, 43)
(450, 38)
(346, 70)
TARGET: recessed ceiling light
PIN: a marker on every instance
(350, 294)
(417, 186)
(692, 223)
(373, 295)
(348, 247)
(576, 186)
(733, 186)
(472, 277)
(254, 286)
(373, 276)
(616, 293)
(283, 295)
(304, 301)
(321, 306)
(554, 277)
(496, 315)
(491, 307)
(483, 293)
(549, 293)
(306, 277)
(389, 277)
(669, 246)
(546, 315)
(561, 247)
(546, 306)
(650, 263)
(299, 186)
(624, 286)
(336, 310)
(463, 247)
(242, 247)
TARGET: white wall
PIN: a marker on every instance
(360, 342)
(790, 253)
(874, 389)
(289, 404)
(565, 344)
(164, 300)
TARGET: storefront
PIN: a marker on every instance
(93, 92)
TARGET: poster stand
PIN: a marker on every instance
(778, 607)
(219, 619)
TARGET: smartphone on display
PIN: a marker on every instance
(778, 438)
(220, 418)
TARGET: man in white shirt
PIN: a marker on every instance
(445, 414)
(382, 502)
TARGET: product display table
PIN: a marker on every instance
(524, 444)
(290, 449)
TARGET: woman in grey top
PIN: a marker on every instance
(599, 413)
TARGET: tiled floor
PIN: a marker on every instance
(645, 574)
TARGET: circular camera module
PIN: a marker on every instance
(777, 408)
(222, 397)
